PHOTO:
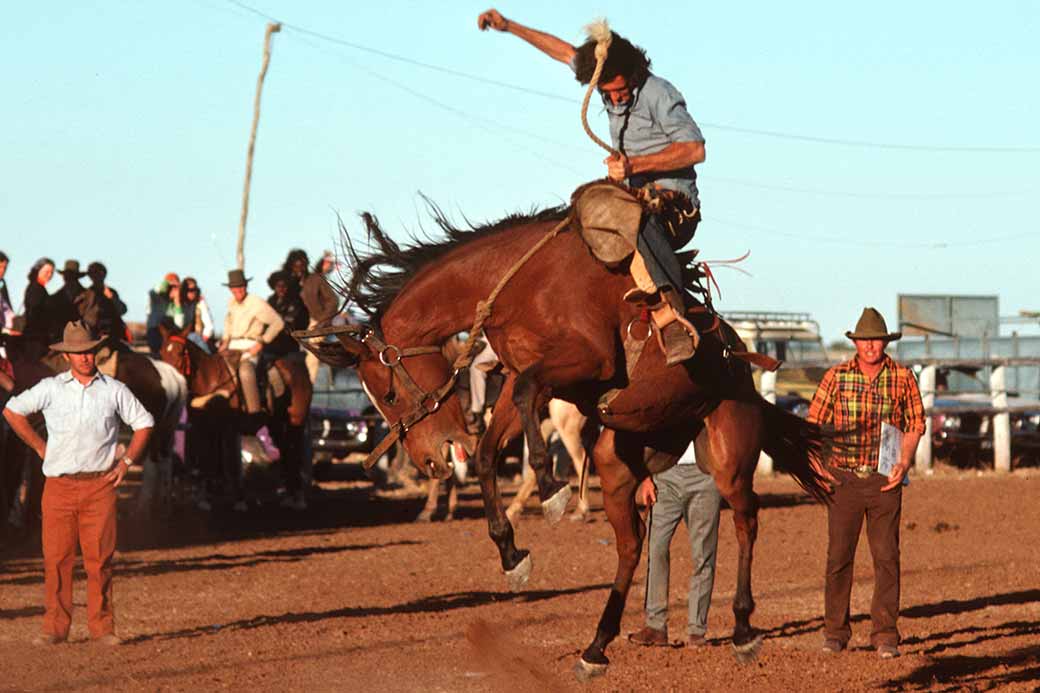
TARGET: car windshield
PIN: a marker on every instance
(342, 392)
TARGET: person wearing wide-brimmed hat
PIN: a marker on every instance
(82, 409)
(64, 305)
(857, 398)
(249, 325)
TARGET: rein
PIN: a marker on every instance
(184, 364)
(392, 356)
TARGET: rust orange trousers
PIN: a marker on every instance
(83, 512)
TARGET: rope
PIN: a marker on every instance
(602, 35)
(484, 307)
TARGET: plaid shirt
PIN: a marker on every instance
(850, 402)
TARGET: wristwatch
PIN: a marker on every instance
(127, 461)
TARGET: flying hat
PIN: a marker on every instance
(236, 278)
(76, 339)
(872, 326)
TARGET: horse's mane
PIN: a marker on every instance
(377, 275)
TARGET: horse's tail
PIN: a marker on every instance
(797, 447)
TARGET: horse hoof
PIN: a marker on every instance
(554, 508)
(425, 516)
(748, 652)
(519, 575)
(586, 671)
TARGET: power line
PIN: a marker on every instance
(870, 195)
(920, 245)
(962, 149)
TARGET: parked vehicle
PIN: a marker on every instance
(965, 437)
(343, 419)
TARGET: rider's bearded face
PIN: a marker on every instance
(617, 90)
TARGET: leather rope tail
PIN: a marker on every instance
(599, 32)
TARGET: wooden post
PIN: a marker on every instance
(923, 457)
(1001, 422)
(240, 254)
(767, 386)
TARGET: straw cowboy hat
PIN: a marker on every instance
(237, 277)
(872, 326)
(76, 339)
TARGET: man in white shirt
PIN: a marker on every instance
(250, 324)
(82, 408)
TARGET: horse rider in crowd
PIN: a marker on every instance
(297, 269)
(101, 308)
(65, 302)
(682, 492)
(293, 313)
(6, 307)
(82, 410)
(659, 145)
(197, 313)
(321, 302)
(35, 305)
(159, 308)
(250, 325)
(863, 397)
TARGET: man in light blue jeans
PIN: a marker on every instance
(686, 493)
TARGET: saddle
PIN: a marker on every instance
(270, 380)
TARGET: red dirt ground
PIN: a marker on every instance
(348, 596)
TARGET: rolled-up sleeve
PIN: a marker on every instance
(270, 317)
(668, 108)
(33, 400)
(130, 409)
(913, 407)
(821, 410)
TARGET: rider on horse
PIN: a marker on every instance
(658, 144)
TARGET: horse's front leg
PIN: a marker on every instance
(528, 395)
(504, 424)
(616, 455)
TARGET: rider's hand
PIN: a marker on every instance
(256, 348)
(492, 19)
(646, 494)
(618, 167)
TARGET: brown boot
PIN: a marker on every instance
(649, 637)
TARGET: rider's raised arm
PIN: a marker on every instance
(554, 47)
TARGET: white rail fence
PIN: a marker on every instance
(998, 409)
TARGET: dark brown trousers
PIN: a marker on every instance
(83, 512)
(855, 499)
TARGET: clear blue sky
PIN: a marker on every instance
(125, 124)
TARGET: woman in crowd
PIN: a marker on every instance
(196, 312)
(35, 303)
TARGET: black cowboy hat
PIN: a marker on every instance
(236, 278)
(72, 267)
(277, 276)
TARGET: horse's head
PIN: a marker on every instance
(413, 389)
(174, 349)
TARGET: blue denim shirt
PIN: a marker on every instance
(82, 420)
(657, 117)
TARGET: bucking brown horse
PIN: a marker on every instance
(559, 326)
(216, 397)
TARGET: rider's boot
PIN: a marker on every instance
(676, 335)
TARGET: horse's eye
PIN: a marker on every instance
(390, 398)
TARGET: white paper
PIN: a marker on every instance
(890, 448)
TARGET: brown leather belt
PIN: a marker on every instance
(79, 476)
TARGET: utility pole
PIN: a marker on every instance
(240, 256)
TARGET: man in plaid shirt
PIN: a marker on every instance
(856, 397)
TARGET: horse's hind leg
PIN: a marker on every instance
(528, 394)
(433, 492)
(504, 424)
(529, 479)
(616, 454)
(732, 455)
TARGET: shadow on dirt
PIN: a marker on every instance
(434, 604)
(129, 567)
(985, 672)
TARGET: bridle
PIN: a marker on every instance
(421, 402)
(183, 364)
